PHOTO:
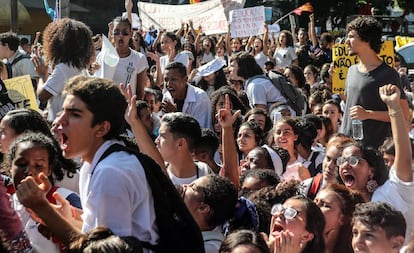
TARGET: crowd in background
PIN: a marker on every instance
(255, 174)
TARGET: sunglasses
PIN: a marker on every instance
(124, 33)
(289, 212)
(352, 160)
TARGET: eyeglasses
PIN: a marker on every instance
(124, 33)
(352, 160)
(289, 212)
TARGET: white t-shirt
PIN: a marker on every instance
(261, 91)
(206, 58)
(55, 84)
(203, 170)
(212, 240)
(398, 194)
(129, 67)
(284, 56)
(180, 57)
(261, 59)
(115, 193)
(39, 242)
(196, 103)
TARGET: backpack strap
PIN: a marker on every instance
(19, 58)
(117, 148)
(10, 64)
(315, 186)
(9, 70)
(313, 169)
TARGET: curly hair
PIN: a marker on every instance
(256, 129)
(380, 215)
(24, 120)
(266, 175)
(369, 30)
(102, 239)
(289, 38)
(68, 41)
(42, 141)
(221, 195)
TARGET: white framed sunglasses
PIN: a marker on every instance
(288, 212)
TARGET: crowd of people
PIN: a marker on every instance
(254, 173)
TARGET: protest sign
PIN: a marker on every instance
(210, 15)
(6, 104)
(342, 61)
(247, 21)
(21, 92)
(273, 30)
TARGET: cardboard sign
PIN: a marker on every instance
(247, 22)
(342, 61)
(210, 15)
(21, 92)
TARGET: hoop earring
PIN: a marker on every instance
(372, 185)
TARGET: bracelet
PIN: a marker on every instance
(394, 113)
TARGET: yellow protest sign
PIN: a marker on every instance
(342, 61)
(21, 92)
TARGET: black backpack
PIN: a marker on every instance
(177, 228)
(9, 65)
(294, 96)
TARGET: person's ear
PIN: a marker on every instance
(204, 208)
(307, 237)
(181, 143)
(397, 242)
(341, 220)
(103, 128)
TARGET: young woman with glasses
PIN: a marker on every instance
(363, 170)
(132, 66)
(296, 226)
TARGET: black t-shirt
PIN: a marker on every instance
(362, 89)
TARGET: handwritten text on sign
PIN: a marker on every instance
(247, 22)
(342, 61)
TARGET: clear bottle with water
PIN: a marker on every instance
(357, 130)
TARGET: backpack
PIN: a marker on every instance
(313, 169)
(177, 228)
(294, 96)
(315, 186)
(9, 65)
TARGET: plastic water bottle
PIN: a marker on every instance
(357, 130)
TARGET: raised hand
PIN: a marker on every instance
(153, 56)
(168, 106)
(287, 244)
(224, 116)
(390, 94)
(128, 5)
(131, 111)
(31, 194)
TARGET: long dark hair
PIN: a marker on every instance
(219, 80)
(247, 65)
(315, 223)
